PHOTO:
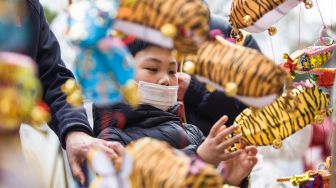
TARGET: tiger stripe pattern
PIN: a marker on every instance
(190, 17)
(156, 164)
(254, 8)
(274, 122)
(254, 74)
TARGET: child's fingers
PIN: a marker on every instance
(227, 143)
(252, 160)
(222, 135)
(227, 156)
(251, 150)
(217, 126)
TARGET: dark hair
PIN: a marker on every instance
(138, 45)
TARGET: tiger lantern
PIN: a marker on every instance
(257, 16)
(273, 123)
(149, 163)
(240, 72)
(182, 25)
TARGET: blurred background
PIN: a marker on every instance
(297, 30)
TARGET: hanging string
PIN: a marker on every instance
(311, 148)
(318, 7)
(331, 14)
(299, 42)
(272, 47)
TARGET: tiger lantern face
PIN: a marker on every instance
(273, 123)
(182, 24)
(240, 72)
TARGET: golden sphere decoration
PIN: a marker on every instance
(308, 4)
(169, 30)
(231, 89)
(247, 20)
(272, 30)
(277, 143)
(319, 119)
(69, 86)
(189, 67)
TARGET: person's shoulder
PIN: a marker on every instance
(34, 5)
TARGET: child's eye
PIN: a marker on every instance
(152, 69)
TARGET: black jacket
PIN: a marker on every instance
(121, 123)
(204, 108)
(45, 50)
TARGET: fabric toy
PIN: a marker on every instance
(259, 15)
(21, 92)
(150, 163)
(301, 61)
(182, 25)
(103, 67)
(273, 123)
(312, 178)
(240, 72)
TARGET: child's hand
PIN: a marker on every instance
(238, 168)
(183, 84)
(213, 149)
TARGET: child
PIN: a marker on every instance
(157, 116)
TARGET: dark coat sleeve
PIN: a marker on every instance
(204, 108)
(53, 73)
(196, 137)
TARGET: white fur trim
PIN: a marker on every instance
(272, 17)
(145, 33)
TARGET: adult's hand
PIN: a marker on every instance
(183, 84)
(78, 144)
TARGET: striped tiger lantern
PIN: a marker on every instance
(273, 123)
(240, 72)
(182, 24)
(149, 163)
(259, 15)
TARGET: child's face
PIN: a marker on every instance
(156, 65)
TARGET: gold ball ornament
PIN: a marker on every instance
(169, 30)
(231, 89)
(277, 143)
(319, 119)
(117, 34)
(130, 93)
(308, 4)
(69, 86)
(272, 31)
(189, 67)
(247, 20)
(39, 116)
(75, 98)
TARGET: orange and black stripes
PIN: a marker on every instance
(275, 122)
(254, 74)
(254, 8)
(190, 17)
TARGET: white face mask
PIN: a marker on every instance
(159, 96)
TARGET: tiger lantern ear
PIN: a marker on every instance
(183, 24)
(257, 16)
